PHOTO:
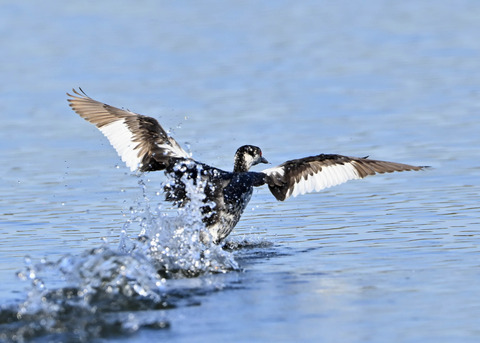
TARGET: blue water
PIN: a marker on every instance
(392, 258)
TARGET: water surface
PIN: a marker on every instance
(389, 258)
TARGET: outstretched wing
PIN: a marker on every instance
(139, 140)
(322, 171)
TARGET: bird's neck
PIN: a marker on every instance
(240, 165)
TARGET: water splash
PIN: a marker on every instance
(91, 290)
(101, 291)
(179, 245)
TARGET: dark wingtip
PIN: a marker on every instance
(80, 92)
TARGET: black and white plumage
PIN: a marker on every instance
(144, 145)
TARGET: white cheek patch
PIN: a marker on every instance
(329, 176)
(122, 140)
(248, 160)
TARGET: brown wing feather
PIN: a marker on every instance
(139, 140)
(317, 172)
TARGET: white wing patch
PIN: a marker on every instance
(275, 170)
(121, 138)
(174, 149)
(329, 176)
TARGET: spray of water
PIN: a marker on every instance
(100, 291)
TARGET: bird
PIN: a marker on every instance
(145, 146)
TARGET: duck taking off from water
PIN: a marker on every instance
(145, 146)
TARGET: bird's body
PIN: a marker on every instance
(226, 194)
(144, 145)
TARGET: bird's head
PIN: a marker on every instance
(247, 156)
